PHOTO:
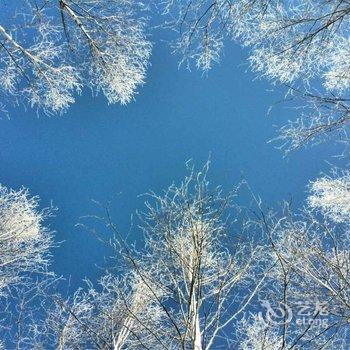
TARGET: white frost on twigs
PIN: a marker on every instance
(331, 195)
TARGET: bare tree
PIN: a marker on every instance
(52, 49)
(206, 274)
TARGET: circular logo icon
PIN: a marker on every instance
(276, 315)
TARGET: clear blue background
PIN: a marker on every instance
(96, 151)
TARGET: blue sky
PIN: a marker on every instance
(96, 151)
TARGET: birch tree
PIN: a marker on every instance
(52, 49)
(207, 274)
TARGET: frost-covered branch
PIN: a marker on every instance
(110, 43)
(34, 74)
(55, 48)
(208, 275)
(307, 297)
(24, 242)
(25, 279)
(303, 44)
(321, 117)
(331, 195)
